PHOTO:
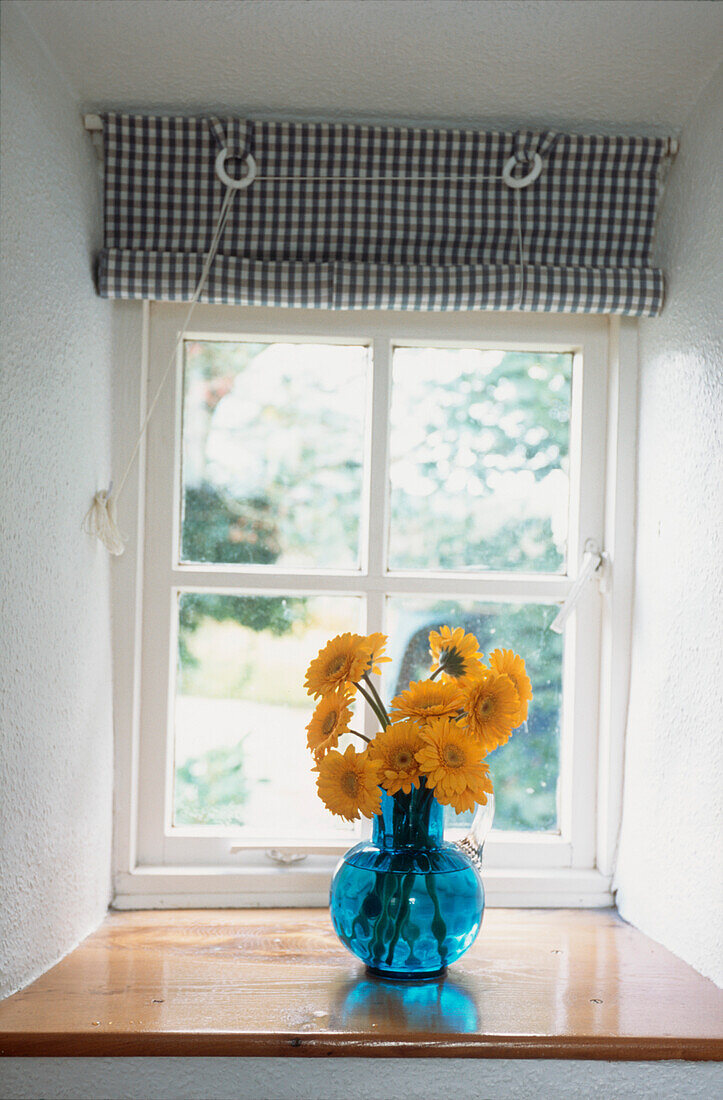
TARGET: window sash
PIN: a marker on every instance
(165, 575)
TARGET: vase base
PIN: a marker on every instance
(396, 976)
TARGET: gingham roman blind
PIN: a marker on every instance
(420, 220)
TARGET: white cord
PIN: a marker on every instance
(101, 518)
(592, 559)
(383, 179)
(521, 248)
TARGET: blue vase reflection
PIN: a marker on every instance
(437, 1005)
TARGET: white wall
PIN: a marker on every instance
(355, 1078)
(55, 664)
(670, 872)
(488, 63)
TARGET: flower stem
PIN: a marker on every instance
(357, 734)
(384, 889)
(370, 700)
(402, 915)
(440, 668)
(377, 699)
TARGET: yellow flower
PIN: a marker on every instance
(348, 785)
(491, 704)
(512, 665)
(453, 765)
(427, 699)
(376, 643)
(329, 721)
(342, 661)
(455, 652)
(395, 750)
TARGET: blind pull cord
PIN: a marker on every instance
(101, 519)
(520, 248)
(516, 185)
(593, 560)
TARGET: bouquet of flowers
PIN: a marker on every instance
(435, 736)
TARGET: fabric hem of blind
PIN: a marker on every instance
(170, 277)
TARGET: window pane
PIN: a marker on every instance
(525, 771)
(241, 711)
(479, 459)
(273, 446)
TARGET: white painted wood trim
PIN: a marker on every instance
(535, 331)
(131, 336)
(618, 583)
(214, 887)
(493, 586)
(578, 756)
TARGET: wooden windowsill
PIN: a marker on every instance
(536, 984)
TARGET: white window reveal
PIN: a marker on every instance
(311, 473)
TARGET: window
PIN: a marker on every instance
(309, 473)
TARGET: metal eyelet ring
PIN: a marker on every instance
(510, 166)
(246, 179)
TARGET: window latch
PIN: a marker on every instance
(285, 856)
(593, 561)
(286, 859)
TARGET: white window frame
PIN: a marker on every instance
(158, 867)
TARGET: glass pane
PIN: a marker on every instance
(273, 448)
(525, 771)
(479, 459)
(241, 710)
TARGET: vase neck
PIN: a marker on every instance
(413, 820)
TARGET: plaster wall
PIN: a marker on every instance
(372, 1079)
(55, 663)
(631, 66)
(670, 875)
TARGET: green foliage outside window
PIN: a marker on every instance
(211, 788)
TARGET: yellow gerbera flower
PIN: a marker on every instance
(376, 643)
(348, 785)
(491, 704)
(341, 661)
(453, 765)
(329, 721)
(455, 652)
(395, 749)
(512, 665)
(427, 699)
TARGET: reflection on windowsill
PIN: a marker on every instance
(442, 1004)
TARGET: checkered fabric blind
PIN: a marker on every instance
(347, 216)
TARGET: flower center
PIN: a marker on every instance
(334, 667)
(403, 759)
(485, 707)
(452, 756)
(329, 723)
(350, 783)
(452, 661)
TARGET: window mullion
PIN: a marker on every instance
(513, 586)
(377, 517)
(375, 522)
(378, 527)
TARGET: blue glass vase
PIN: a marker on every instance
(407, 902)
